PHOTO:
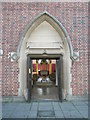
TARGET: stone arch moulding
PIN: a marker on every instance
(68, 52)
(56, 21)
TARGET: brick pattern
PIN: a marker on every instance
(73, 16)
(0, 48)
(89, 47)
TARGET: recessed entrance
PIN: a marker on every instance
(44, 85)
(45, 38)
(44, 78)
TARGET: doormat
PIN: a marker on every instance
(46, 114)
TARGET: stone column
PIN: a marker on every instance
(56, 74)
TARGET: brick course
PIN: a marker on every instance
(73, 16)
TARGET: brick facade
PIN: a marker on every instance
(15, 17)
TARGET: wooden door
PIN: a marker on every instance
(60, 77)
(29, 77)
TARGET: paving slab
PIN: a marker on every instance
(80, 108)
(46, 113)
(45, 108)
(34, 109)
(86, 102)
(65, 103)
(59, 114)
(20, 114)
(35, 104)
(60, 110)
(55, 103)
(84, 113)
(22, 108)
(68, 108)
(32, 114)
(72, 114)
(45, 104)
(57, 107)
(6, 113)
(76, 103)
(9, 107)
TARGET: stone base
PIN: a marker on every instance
(77, 98)
(13, 99)
(22, 99)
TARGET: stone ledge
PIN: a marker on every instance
(77, 98)
(13, 99)
(22, 99)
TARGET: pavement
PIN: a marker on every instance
(44, 109)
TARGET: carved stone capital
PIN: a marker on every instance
(75, 56)
(14, 56)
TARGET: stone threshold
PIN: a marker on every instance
(22, 99)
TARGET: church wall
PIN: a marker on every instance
(16, 16)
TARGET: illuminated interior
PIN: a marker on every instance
(44, 79)
(43, 68)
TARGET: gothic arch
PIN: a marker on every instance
(44, 16)
(67, 52)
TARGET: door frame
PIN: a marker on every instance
(29, 77)
(60, 74)
(60, 77)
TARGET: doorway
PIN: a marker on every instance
(44, 78)
(45, 35)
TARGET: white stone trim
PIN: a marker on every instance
(67, 52)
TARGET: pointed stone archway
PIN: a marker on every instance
(56, 41)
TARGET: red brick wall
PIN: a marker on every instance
(73, 16)
(0, 48)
